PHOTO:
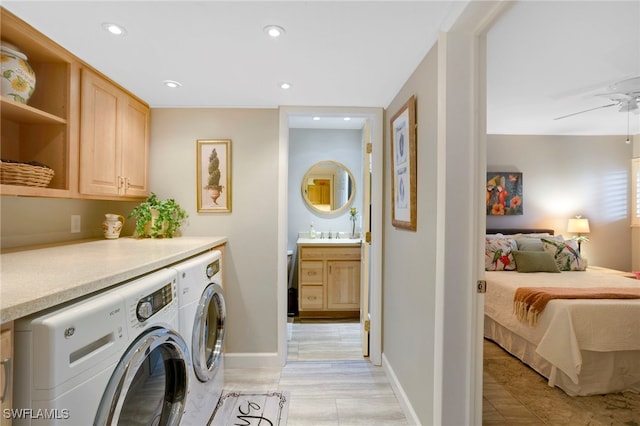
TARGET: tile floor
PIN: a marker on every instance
(332, 384)
(329, 381)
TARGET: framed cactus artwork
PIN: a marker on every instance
(214, 175)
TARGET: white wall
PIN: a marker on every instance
(251, 227)
(35, 220)
(409, 258)
(564, 176)
(307, 147)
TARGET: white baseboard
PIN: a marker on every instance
(252, 360)
(405, 404)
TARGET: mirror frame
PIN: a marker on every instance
(312, 207)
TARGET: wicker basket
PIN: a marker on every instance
(24, 174)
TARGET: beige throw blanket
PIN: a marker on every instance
(529, 302)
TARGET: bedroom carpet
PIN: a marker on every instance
(516, 394)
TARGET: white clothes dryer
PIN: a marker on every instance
(202, 323)
(112, 358)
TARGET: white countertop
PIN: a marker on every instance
(35, 279)
(329, 241)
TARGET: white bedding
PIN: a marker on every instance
(582, 346)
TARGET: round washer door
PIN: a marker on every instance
(149, 385)
(208, 333)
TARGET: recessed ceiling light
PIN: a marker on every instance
(285, 85)
(171, 83)
(347, 119)
(114, 29)
(274, 31)
(316, 118)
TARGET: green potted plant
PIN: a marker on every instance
(158, 218)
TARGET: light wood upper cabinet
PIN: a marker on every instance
(90, 131)
(43, 129)
(114, 140)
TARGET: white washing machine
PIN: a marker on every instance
(114, 357)
(202, 323)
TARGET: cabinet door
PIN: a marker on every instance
(100, 138)
(114, 140)
(343, 285)
(6, 368)
(135, 148)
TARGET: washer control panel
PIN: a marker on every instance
(154, 302)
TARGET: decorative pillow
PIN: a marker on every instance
(497, 254)
(529, 244)
(535, 261)
(565, 253)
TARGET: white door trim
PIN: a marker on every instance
(375, 115)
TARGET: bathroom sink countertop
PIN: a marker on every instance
(34, 279)
(329, 241)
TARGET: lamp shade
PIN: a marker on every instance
(578, 225)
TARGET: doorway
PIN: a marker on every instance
(372, 286)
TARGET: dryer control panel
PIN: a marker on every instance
(213, 268)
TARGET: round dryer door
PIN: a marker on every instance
(208, 333)
(149, 384)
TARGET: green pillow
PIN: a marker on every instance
(534, 261)
(529, 244)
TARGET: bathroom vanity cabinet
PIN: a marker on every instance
(329, 280)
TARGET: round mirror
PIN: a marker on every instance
(328, 187)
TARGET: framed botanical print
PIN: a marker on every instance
(504, 193)
(214, 175)
(403, 167)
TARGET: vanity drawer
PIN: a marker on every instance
(311, 297)
(339, 253)
(311, 272)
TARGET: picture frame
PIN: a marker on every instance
(504, 194)
(403, 167)
(213, 173)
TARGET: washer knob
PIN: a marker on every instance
(145, 310)
(209, 271)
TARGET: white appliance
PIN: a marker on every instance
(202, 323)
(114, 357)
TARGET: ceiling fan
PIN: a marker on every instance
(624, 94)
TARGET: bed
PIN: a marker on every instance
(583, 346)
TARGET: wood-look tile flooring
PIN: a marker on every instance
(329, 381)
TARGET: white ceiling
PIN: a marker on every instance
(545, 59)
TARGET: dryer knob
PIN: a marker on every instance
(210, 271)
(145, 310)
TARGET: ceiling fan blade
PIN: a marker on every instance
(587, 110)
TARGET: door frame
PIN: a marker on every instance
(376, 117)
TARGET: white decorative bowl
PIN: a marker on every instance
(18, 78)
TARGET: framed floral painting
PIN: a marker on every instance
(214, 175)
(504, 193)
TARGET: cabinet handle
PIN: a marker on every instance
(126, 185)
(312, 297)
(6, 364)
